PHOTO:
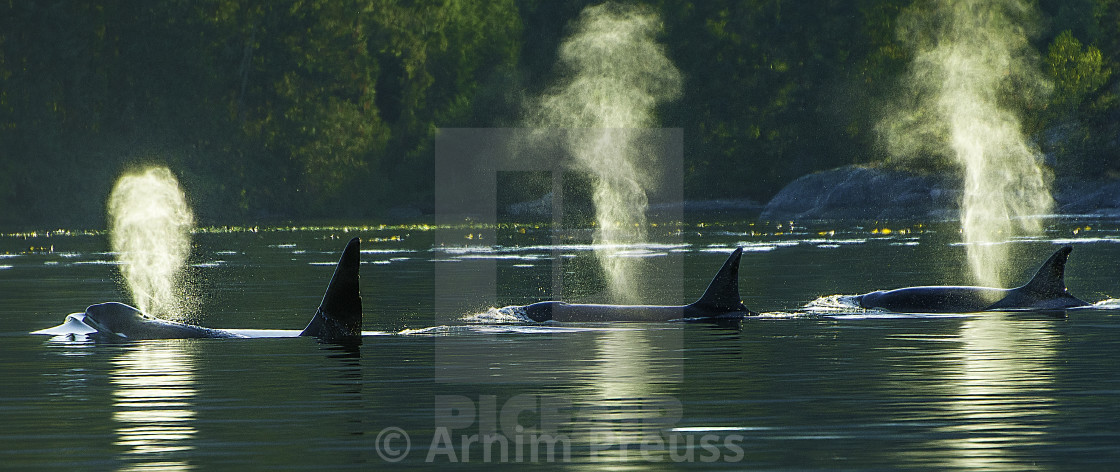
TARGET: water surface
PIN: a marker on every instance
(789, 390)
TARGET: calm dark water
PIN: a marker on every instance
(791, 390)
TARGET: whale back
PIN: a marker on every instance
(113, 317)
(339, 316)
(117, 320)
(1046, 290)
(1050, 279)
(722, 295)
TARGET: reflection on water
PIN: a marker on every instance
(632, 381)
(154, 405)
(1000, 392)
(71, 381)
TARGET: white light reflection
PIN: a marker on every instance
(636, 374)
(999, 391)
(153, 405)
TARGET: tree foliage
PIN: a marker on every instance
(1077, 73)
(327, 108)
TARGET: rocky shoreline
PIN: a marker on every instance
(869, 194)
(864, 193)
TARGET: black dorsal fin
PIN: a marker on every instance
(1050, 279)
(723, 292)
(339, 316)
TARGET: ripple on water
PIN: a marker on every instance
(97, 262)
(834, 303)
(539, 252)
(506, 314)
(1106, 304)
(1106, 239)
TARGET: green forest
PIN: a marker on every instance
(327, 109)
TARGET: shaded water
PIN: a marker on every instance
(788, 390)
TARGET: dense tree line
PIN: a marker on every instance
(327, 108)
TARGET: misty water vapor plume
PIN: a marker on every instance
(973, 72)
(150, 226)
(615, 75)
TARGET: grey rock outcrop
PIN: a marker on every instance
(864, 193)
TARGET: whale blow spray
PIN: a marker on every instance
(616, 73)
(150, 225)
(973, 68)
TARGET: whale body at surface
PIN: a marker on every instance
(720, 300)
(338, 318)
(1046, 291)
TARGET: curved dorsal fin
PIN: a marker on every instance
(340, 314)
(1051, 276)
(723, 292)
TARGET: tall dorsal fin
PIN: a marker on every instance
(1051, 277)
(723, 292)
(340, 314)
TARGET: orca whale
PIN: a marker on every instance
(720, 300)
(339, 317)
(1046, 291)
